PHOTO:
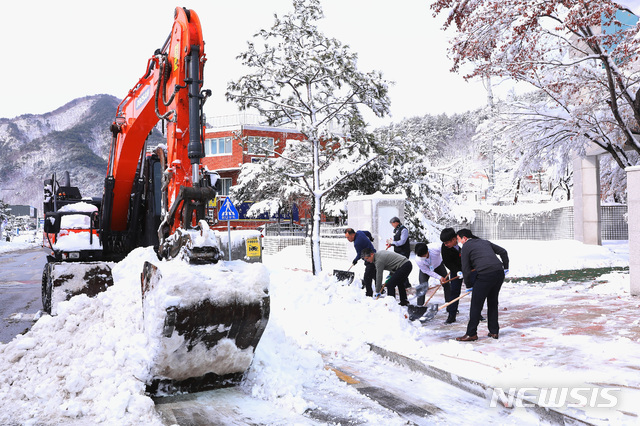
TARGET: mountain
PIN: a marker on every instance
(74, 138)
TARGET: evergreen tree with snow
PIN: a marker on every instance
(300, 76)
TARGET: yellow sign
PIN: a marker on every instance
(176, 56)
(253, 247)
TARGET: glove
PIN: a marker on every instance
(459, 274)
(354, 262)
(376, 296)
(506, 272)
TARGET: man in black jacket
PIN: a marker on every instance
(450, 253)
(479, 256)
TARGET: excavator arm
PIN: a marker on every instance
(170, 91)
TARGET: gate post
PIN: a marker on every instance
(586, 201)
(633, 215)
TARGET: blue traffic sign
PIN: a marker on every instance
(228, 211)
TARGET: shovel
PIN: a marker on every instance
(433, 309)
(379, 295)
(416, 312)
(347, 275)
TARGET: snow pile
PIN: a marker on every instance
(224, 283)
(75, 241)
(533, 258)
(77, 221)
(90, 361)
(26, 240)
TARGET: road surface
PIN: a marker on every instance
(20, 290)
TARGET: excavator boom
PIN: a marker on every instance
(170, 90)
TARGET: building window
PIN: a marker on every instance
(260, 145)
(217, 146)
(225, 186)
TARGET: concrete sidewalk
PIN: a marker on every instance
(580, 337)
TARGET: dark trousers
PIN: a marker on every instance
(486, 287)
(451, 291)
(398, 279)
(422, 277)
(369, 276)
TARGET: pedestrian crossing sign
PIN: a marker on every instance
(228, 211)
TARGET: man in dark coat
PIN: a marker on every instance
(483, 271)
(360, 242)
(450, 252)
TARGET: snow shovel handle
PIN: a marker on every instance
(432, 294)
(436, 290)
(455, 277)
(456, 299)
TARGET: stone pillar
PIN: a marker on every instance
(633, 197)
(586, 200)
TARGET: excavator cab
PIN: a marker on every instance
(74, 254)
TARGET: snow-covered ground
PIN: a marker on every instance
(26, 240)
(87, 365)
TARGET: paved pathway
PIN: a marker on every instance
(20, 290)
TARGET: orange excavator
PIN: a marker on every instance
(158, 197)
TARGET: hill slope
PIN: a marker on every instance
(74, 138)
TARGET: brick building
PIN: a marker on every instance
(226, 150)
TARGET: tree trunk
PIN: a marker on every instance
(316, 261)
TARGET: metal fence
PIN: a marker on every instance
(613, 223)
(554, 224)
(272, 245)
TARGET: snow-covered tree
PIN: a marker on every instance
(303, 77)
(581, 55)
(5, 218)
(4, 210)
(429, 160)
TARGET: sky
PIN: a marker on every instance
(58, 51)
(87, 364)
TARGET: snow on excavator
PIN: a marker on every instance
(207, 330)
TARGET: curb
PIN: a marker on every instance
(481, 390)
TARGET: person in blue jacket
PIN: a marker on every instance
(360, 241)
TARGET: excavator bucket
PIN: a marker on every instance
(204, 328)
(63, 280)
